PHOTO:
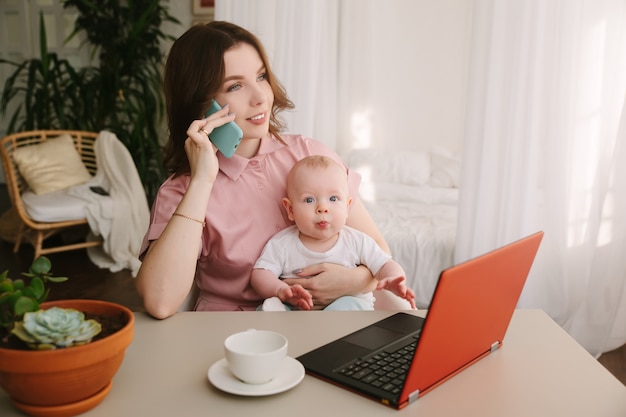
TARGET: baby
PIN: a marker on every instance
(318, 202)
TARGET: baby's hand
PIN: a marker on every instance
(297, 296)
(397, 286)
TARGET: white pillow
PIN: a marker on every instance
(400, 167)
(446, 169)
(51, 165)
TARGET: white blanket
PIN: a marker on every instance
(413, 198)
(421, 237)
(122, 219)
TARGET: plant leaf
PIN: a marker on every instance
(4, 297)
(37, 287)
(24, 305)
(57, 279)
(43, 44)
(6, 285)
(41, 265)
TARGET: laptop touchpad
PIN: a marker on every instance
(372, 337)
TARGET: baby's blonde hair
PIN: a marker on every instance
(313, 161)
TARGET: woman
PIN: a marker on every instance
(213, 215)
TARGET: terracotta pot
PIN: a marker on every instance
(66, 382)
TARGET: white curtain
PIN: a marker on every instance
(545, 149)
(300, 38)
(366, 73)
(545, 137)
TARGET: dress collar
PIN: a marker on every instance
(234, 167)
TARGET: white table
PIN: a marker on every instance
(540, 371)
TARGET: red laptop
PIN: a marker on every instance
(399, 359)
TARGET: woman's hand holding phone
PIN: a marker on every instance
(201, 152)
(225, 137)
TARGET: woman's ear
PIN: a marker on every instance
(288, 208)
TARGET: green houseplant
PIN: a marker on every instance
(19, 297)
(42, 89)
(57, 358)
(122, 92)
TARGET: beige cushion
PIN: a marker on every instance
(51, 165)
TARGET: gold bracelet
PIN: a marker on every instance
(202, 222)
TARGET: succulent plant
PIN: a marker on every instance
(19, 296)
(56, 328)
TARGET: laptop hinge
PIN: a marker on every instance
(494, 346)
(413, 396)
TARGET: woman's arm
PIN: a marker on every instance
(327, 281)
(168, 269)
(360, 219)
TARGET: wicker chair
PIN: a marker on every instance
(34, 231)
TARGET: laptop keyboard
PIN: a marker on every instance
(385, 369)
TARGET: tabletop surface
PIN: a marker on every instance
(539, 371)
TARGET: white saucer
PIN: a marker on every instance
(290, 375)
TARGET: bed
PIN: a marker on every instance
(413, 198)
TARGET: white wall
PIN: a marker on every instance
(436, 35)
(417, 64)
(182, 11)
(413, 68)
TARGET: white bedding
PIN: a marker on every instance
(421, 238)
(413, 198)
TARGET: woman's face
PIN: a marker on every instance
(247, 91)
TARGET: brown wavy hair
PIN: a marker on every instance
(194, 73)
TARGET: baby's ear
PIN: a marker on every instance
(288, 208)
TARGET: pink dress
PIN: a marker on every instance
(244, 211)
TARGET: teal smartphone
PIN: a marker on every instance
(226, 138)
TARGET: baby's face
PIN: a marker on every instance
(319, 201)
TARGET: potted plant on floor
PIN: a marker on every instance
(57, 358)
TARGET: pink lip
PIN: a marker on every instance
(260, 121)
(322, 224)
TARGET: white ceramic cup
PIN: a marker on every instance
(255, 356)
